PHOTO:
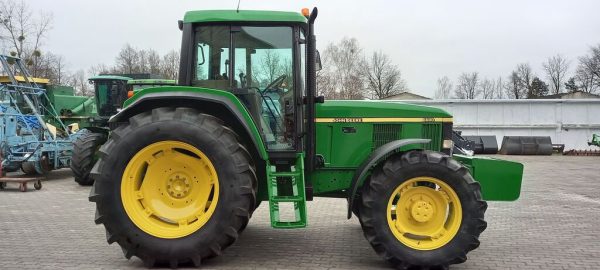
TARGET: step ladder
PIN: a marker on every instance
(295, 183)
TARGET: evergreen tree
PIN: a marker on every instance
(571, 86)
(538, 88)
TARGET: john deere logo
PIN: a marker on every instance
(347, 120)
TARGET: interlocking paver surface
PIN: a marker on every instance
(555, 225)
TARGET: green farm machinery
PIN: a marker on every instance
(110, 91)
(185, 166)
(595, 140)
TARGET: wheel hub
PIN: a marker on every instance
(424, 216)
(178, 186)
(169, 189)
(422, 211)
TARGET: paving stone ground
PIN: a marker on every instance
(555, 225)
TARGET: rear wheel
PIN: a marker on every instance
(28, 168)
(422, 209)
(40, 167)
(180, 189)
(85, 150)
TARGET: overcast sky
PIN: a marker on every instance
(427, 39)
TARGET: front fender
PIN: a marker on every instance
(361, 172)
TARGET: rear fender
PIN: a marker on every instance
(219, 103)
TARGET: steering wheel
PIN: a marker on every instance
(275, 82)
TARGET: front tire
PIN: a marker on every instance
(177, 156)
(84, 156)
(422, 209)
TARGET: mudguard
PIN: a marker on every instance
(224, 104)
(362, 171)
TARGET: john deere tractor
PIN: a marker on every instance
(185, 166)
(110, 93)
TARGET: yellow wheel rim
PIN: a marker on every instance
(170, 189)
(424, 213)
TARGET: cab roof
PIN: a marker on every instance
(201, 16)
(152, 82)
(109, 77)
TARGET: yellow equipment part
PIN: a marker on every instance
(424, 213)
(170, 189)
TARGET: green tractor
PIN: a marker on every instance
(110, 93)
(595, 140)
(185, 166)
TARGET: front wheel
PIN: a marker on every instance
(173, 186)
(422, 209)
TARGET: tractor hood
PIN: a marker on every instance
(379, 109)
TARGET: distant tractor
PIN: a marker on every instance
(595, 140)
(110, 91)
(185, 166)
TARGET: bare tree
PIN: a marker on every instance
(341, 66)
(556, 68)
(170, 65)
(23, 32)
(487, 88)
(382, 78)
(514, 88)
(444, 86)
(585, 79)
(99, 69)
(269, 68)
(588, 71)
(467, 86)
(499, 88)
(127, 61)
(153, 62)
(525, 76)
(142, 61)
(79, 81)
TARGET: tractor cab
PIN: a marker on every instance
(261, 58)
(110, 92)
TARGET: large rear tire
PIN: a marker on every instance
(173, 186)
(85, 150)
(422, 209)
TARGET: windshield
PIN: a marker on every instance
(110, 95)
(255, 63)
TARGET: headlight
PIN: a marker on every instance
(447, 144)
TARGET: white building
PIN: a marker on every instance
(567, 121)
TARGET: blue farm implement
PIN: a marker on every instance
(32, 136)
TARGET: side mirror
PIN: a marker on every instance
(318, 65)
(201, 51)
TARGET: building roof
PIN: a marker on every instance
(200, 16)
(571, 95)
(405, 96)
